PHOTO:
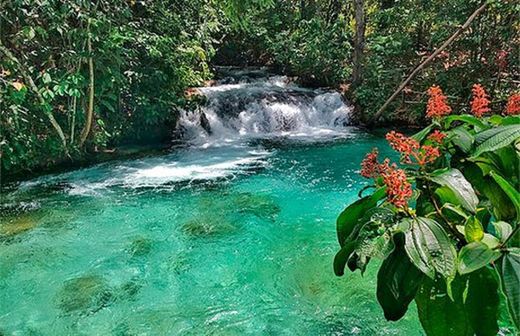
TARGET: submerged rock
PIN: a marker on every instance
(201, 227)
(12, 226)
(84, 295)
(261, 206)
(140, 247)
(129, 290)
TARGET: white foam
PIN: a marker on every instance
(269, 107)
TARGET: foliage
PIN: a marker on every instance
(405, 33)
(144, 55)
(446, 225)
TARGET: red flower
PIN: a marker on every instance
(513, 104)
(427, 154)
(401, 143)
(369, 165)
(411, 149)
(398, 189)
(437, 103)
(437, 137)
(480, 102)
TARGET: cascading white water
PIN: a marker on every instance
(241, 106)
(248, 105)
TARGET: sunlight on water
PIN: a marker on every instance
(226, 241)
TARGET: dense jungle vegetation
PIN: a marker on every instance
(80, 76)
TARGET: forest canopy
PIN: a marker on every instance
(78, 76)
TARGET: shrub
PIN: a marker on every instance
(445, 223)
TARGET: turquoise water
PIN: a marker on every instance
(229, 240)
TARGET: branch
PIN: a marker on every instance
(34, 88)
(90, 109)
(428, 60)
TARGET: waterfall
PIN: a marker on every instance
(247, 104)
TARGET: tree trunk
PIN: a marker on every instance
(90, 109)
(359, 43)
(428, 60)
(30, 82)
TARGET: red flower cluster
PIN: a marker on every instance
(398, 189)
(437, 103)
(480, 102)
(369, 165)
(513, 104)
(401, 143)
(410, 148)
(437, 137)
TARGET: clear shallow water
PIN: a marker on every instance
(230, 240)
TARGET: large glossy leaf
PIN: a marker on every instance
(474, 256)
(341, 258)
(438, 313)
(462, 139)
(509, 162)
(491, 190)
(429, 248)
(482, 302)
(510, 277)
(397, 282)
(457, 183)
(348, 219)
(496, 138)
(509, 190)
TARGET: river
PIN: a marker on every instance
(230, 233)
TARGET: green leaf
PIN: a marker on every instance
(419, 136)
(474, 256)
(473, 230)
(457, 183)
(509, 190)
(482, 302)
(503, 230)
(341, 258)
(46, 78)
(496, 138)
(397, 282)
(466, 118)
(462, 139)
(430, 248)
(438, 313)
(511, 120)
(491, 190)
(348, 219)
(510, 277)
(490, 240)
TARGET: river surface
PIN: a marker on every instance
(231, 234)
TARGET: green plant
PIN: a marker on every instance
(446, 225)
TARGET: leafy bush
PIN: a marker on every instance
(446, 224)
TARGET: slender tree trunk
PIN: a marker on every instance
(30, 82)
(359, 43)
(428, 60)
(90, 109)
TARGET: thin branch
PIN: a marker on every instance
(428, 60)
